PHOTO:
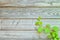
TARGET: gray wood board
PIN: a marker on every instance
(26, 24)
(29, 12)
(28, 2)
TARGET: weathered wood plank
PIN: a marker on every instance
(18, 34)
(25, 24)
(29, 12)
(29, 2)
(21, 35)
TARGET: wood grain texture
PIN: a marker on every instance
(29, 2)
(25, 24)
(29, 12)
(21, 35)
(18, 34)
(18, 17)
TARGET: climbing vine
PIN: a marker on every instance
(51, 31)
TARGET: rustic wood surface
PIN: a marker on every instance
(25, 24)
(18, 17)
(29, 12)
(29, 2)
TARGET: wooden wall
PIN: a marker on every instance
(18, 17)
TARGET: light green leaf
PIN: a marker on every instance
(39, 18)
(47, 30)
(38, 23)
(55, 28)
(48, 25)
(49, 36)
(55, 39)
(40, 29)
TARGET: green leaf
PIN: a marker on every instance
(55, 28)
(39, 23)
(40, 29)
(49, 36)
(48, 25)
(39, 18)
(47, 30)
(54, 34)
(55, 39)
(59, 38)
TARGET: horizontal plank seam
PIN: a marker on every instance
(29, 6)
(17, 30)
(24, 18)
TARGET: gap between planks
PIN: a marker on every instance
(17, 30)
(29, 6)
(25, 18)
